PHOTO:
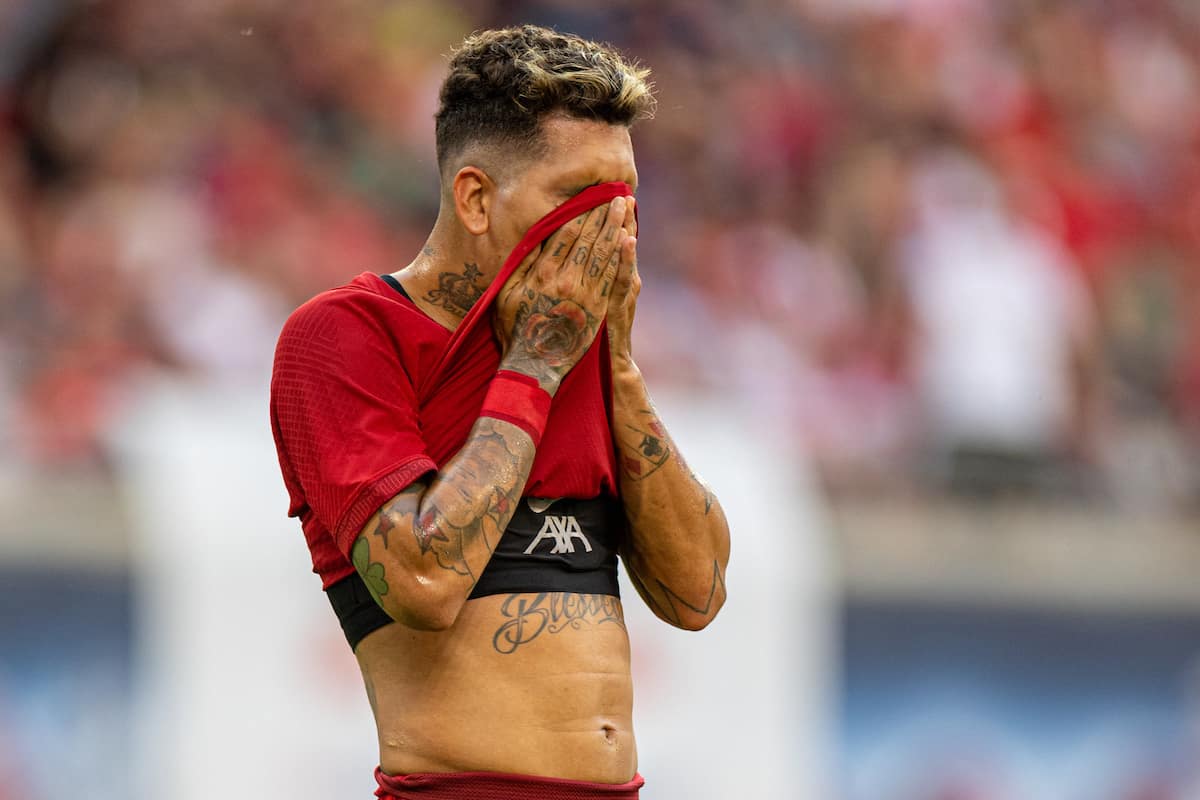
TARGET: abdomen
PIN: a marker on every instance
(531, 683)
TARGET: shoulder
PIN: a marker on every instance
(357, 313)
(357, 304)
(364, 325)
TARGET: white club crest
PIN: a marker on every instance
(564, 531)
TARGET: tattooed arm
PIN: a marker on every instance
(422, 552)
(678, 545)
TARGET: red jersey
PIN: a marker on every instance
(369, 394)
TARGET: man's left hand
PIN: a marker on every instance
(623, 302)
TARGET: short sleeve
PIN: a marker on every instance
(344, 415)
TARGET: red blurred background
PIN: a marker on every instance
(945, 251)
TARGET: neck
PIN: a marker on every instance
(448, 276)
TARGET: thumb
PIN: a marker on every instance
(522, 271)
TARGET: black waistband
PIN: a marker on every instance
(564, 545)
(356, 610)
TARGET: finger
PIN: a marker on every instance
(581, 251)
(618, 210)
(558, 246)
(631, 216)
(610, 239)
(521, 273)
(528, 260)
(629, 259)
(611, 267)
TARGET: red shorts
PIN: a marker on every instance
(497, 786)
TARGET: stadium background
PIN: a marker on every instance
(922, 300)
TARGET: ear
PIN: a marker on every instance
(473, 192)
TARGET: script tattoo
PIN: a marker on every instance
(598, 264)
(549, 336)
(528, 617)
(457, 293)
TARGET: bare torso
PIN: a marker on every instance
(534, 684)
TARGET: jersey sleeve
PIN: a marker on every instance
(344, 414)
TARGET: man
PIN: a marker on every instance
(468, 443)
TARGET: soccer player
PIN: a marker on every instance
(469, 444)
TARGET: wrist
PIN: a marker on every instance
(624, 368)
(545, 377)
(520, 400)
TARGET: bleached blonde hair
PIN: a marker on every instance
(503, 83)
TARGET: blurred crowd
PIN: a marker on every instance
(936, 245)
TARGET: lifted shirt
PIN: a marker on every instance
(369, 394)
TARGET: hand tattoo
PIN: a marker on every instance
(549, 336)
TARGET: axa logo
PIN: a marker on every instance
(564, 531)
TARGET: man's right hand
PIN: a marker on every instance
(548, 312)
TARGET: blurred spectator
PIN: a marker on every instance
(1005, 334)
(177, 176)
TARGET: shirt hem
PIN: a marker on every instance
(373, 495)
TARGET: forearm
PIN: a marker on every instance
(423, 551)
(678, 545)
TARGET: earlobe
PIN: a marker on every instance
(473, 191)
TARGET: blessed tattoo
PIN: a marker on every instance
(529, 616)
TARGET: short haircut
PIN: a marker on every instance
(503, 83)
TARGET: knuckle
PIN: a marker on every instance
(592, 231)
(557, 248)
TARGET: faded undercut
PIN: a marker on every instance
(503, 83)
